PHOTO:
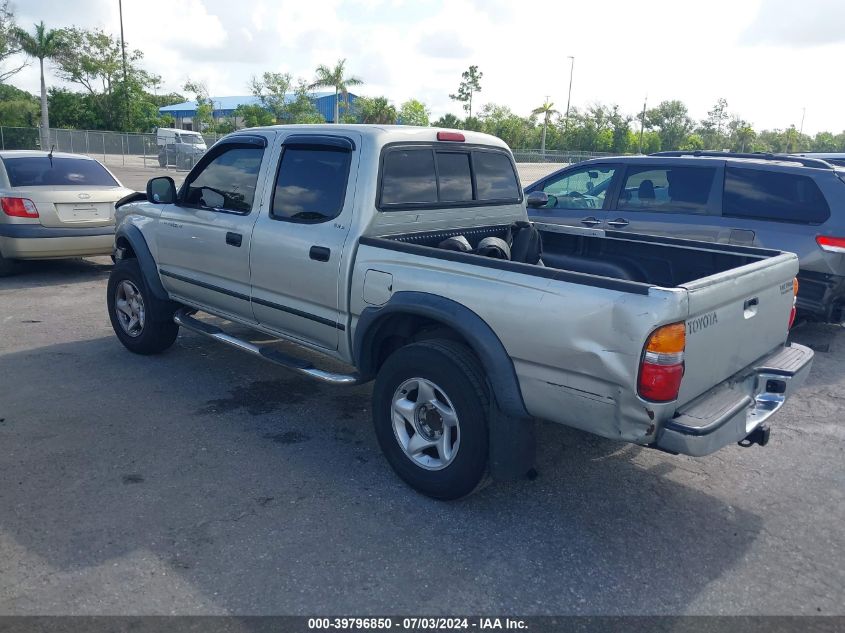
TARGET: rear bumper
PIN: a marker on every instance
(821, 296)
(731, 411)
(33, 241)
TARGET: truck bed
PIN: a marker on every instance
(606, 291)
(596, 257)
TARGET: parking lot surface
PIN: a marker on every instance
(205, 481)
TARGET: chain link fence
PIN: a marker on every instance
(112, 148)
(142, 150)
(534, 164)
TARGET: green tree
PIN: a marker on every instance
(547, 110)
(376, 110)
(712, 128)
(470, 84)
(414, 112)
(449, 121)
(692, 142)
(825, 142)
(17, 108)
(301, 109)
(254, 115)
(272, 91)
(9, 44)
(335, 78)
(500, 121)
(41, 44)
(204, 118)
(93, 60)
(673, 123)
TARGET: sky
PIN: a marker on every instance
(774, 61)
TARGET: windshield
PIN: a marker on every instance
(39, 171)
(193, 139)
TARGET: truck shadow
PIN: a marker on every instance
(265, 495)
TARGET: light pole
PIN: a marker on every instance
(569, 97)
(125, 86)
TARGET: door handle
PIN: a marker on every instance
(234, 239)
(618, 222)
(590, 221)
(320, 253)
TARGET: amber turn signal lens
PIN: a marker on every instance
(669, 339)
(795, 286)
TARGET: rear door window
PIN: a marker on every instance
(666, 189)
(773, 195)
(311, 184)
(40, 171)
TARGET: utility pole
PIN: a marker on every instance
(569, 98)
(642, 123)
(125, 84)
(803, 114)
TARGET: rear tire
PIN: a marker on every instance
(430, 407)
(132, 310)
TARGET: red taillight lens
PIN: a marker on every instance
(19, 207)
(660, 383)
(450, 136)
(662, 366)
(831, 244)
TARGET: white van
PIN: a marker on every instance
(173, 136)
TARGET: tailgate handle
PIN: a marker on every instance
(750, 307)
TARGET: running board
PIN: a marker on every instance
(292, 363)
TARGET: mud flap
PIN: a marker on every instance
(512, 445)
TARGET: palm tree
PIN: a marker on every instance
(335, 78)
(41, 45)
(547, 110)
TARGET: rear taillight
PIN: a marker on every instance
(831, 244)
(19, 207)
(662, 366)
(794, 302)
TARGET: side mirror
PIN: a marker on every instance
(161, 190)
(537, 199)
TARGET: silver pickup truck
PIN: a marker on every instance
(405, 254)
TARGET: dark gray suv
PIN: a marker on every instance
(782, 202)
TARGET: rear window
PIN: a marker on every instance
(38, 171)
(428, 176)
(668, 189)
(773, 195)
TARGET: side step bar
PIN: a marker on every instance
(292, 363)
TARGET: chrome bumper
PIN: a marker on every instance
(734, 409)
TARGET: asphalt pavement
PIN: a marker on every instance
(203, 481)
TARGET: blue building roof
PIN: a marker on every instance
(226, 106)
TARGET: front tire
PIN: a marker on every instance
(133, 308)
(430, 406)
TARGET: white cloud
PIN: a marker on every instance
(789, 23)
(696, 51)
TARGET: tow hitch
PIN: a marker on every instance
(760, 436)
